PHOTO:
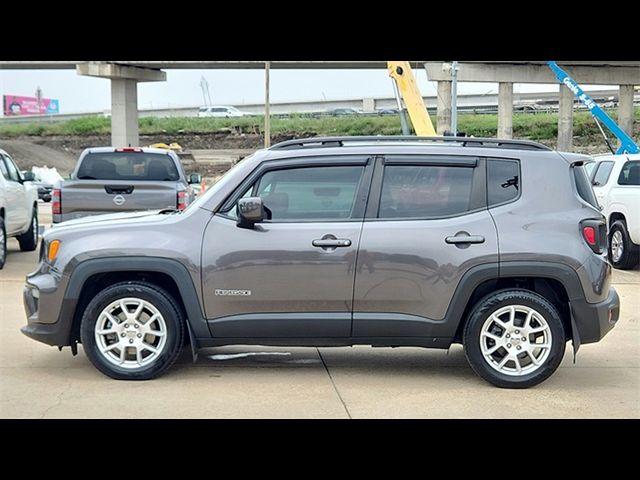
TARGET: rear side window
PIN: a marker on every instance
(422, 191)
(503, 181)
(630, 174)
(128, 166)
(583, 185)
(602, 173)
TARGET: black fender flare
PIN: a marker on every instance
(196, 322)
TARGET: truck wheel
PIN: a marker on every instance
(514, 339)
(623, 254)
(3, 243)
(132, 331)
(29, 239)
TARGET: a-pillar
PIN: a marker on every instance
(444, 107)
(124, 112)
(565, 120)
(625, 108)
(124, 96)
(505, 110)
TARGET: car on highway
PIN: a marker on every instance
(343, 112)
(109, 179)
(387, 111)
(44, 188)
(18, 207)
(222, 112)
(616, 183)
(498, 245)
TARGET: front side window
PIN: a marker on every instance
(128, 166)
(424, 191)
(311, 193)
(601, 175)
(630, 174)
(503, 181)
(314, 193)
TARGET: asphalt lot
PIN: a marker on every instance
(37, 381)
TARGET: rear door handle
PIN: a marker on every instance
(464, 239)
(331, 242)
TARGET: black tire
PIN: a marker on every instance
(3, 243)
(487, 307)
(629, 257)
(162, 301)
(29, 240)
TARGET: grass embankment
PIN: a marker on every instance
(542, 126)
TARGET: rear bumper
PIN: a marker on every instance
(594, 320)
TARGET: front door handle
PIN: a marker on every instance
(331, 242)
(464, 238)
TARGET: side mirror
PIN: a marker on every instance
(28, 177)
(195, 178)
(250, 211)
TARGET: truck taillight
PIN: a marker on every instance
(594, 233)
(182, 200)
(56, 201)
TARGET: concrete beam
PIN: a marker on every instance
(124, 112)
(505, 110)
(565, 120)
(444, 107)
(625, 108)
(115, 71)
(528, 73)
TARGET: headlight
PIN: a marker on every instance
(52, 250)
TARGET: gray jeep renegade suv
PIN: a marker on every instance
(384, 241)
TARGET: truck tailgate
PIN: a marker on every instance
(100, 196)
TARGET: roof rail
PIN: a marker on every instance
(327, 142)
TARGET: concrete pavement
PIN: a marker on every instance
(37, 381)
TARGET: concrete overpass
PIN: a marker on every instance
(124, 76)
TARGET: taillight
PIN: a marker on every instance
(128, 149)
(182, 200)
(594, 234)
(56, 201)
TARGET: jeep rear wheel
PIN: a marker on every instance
(132, 331)
(514, 339)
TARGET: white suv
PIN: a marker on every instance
(18, 207)
(616, 183)
(221, 112)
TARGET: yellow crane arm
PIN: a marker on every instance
(405, 80)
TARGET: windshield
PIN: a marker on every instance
(128, 166)
(213, 189)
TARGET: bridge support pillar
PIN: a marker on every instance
(124, 96)
(443, 113)
(505, 110)
(625, 109)
(565, 120)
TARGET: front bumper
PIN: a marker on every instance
(594, 320)
(48, 318)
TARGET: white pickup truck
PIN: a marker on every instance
(616, 183)
(18, 207)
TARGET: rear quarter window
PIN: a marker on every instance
(503, 181)
(583, 185)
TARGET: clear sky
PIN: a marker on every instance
(227, 87)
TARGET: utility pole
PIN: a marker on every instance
(267, 107)
(454, 98)
(206, 96)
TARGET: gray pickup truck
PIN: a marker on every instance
(108, 179)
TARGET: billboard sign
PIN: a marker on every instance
(15, 105)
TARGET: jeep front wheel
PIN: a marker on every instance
(514, 339)
(132, 331)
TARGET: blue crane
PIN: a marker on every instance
(627, 145)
